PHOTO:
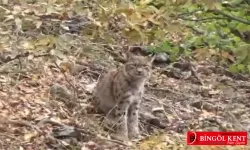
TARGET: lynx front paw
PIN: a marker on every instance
(134, 135)
(120, 137)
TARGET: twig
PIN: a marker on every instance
(8, 59)
(65, 76)
(47, 120)
(198, 31)
(191, 67)
(163, 104)
(26, 54)
(216, 11)
(109, 113)
(175, 92)
(107, 118)
(10, 136)
(112, 45)
(234, 120)
(203, 19)
(7, 10)
(188, 13)
(15, 71)
(21, 122)
(115, 141)
(247, 1)
(194, 73)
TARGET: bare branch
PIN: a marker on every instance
(216, 11)
(204, 19)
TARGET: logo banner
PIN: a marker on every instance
(217, 138)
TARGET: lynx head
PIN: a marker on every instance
(138, 67)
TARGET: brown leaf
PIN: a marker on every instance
(214, 92)
(18, 22)
(28, 136)
(38, 24)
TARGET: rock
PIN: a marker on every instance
(152, 120)
(66, 132)
(204, 105)
(162, 58)
(60, 92)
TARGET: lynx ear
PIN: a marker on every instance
(152, 58)
(129, 53)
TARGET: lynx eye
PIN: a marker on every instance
(131, 66)
(145, 66)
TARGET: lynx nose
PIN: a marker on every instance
(139, 71)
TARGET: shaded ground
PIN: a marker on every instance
(32, 119)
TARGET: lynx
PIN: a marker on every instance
(119, 93)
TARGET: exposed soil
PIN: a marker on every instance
(32, 119)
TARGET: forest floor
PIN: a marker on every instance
(31, 119)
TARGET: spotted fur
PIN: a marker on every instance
(119, 93)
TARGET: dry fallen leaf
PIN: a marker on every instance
(28, 45)
(38, 24)
(5, 2)
(30, 135)
(16, 10)
(18, 22)
(90, 87)
(214, 92)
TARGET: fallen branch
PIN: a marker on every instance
(216, 11)
(47, 120)
(15, 71)
(26, 54)
(116, 141)
(19, 122)
(197, 31)
(171, 91)
(8, 59)
(65, 76)
(10, 136)
(194, 73)
(204, 19)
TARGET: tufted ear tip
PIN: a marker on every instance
(129, 53)
(136, 51)
(152, 58)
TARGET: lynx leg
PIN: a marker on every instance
(121, 116)
(133, 120)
